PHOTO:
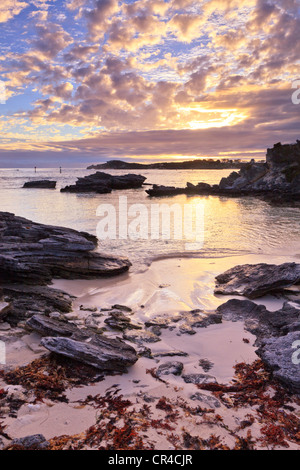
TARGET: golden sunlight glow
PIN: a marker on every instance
(198, 117)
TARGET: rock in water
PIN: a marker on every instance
(105, 354)
(102, 183)
(32, 253)
(256, 280)
(44, 184)
(280, 355)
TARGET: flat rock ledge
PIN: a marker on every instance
(43, 184)
(103, 183)
(257, 280)
(282, 355)
(32, 253)
(85, 346)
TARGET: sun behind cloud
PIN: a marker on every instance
(80, 70)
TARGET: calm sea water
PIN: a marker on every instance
(231, 226)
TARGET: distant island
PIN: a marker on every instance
(207, 164)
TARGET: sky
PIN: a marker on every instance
(84, 81)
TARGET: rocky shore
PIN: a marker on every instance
(277, 180)
(102, 183)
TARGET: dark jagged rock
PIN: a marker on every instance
(32, 253)
(102, 183)
(276, 333)
(209, 400)
(160, 190)
(44, 184)
(198, 379)
(83, 345)
(278, 179)
(256, 280)
(280, 354)
(105, 354)
(35, 442)
(203, 164)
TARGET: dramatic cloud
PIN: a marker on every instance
(10, 8)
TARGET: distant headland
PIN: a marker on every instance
(207, 164)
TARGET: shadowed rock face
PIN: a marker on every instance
(278, 354)
(102, 183)
(44, 184)
(277, 180)
(107, 354)
(280, 173)
(256, 280)
(32, 253)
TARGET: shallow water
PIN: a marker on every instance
(231, 226)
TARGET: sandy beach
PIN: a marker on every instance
(167, 287)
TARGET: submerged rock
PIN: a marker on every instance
(44, 184)
(102, 183)
(32, 253)
(278, 176)
(257, 280)
(261, 322)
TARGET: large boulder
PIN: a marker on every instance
(32, 253)
(102, 183)
(256, 280)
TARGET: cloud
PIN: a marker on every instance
(174, 71)
(11, 8)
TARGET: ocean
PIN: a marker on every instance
(231, 226)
